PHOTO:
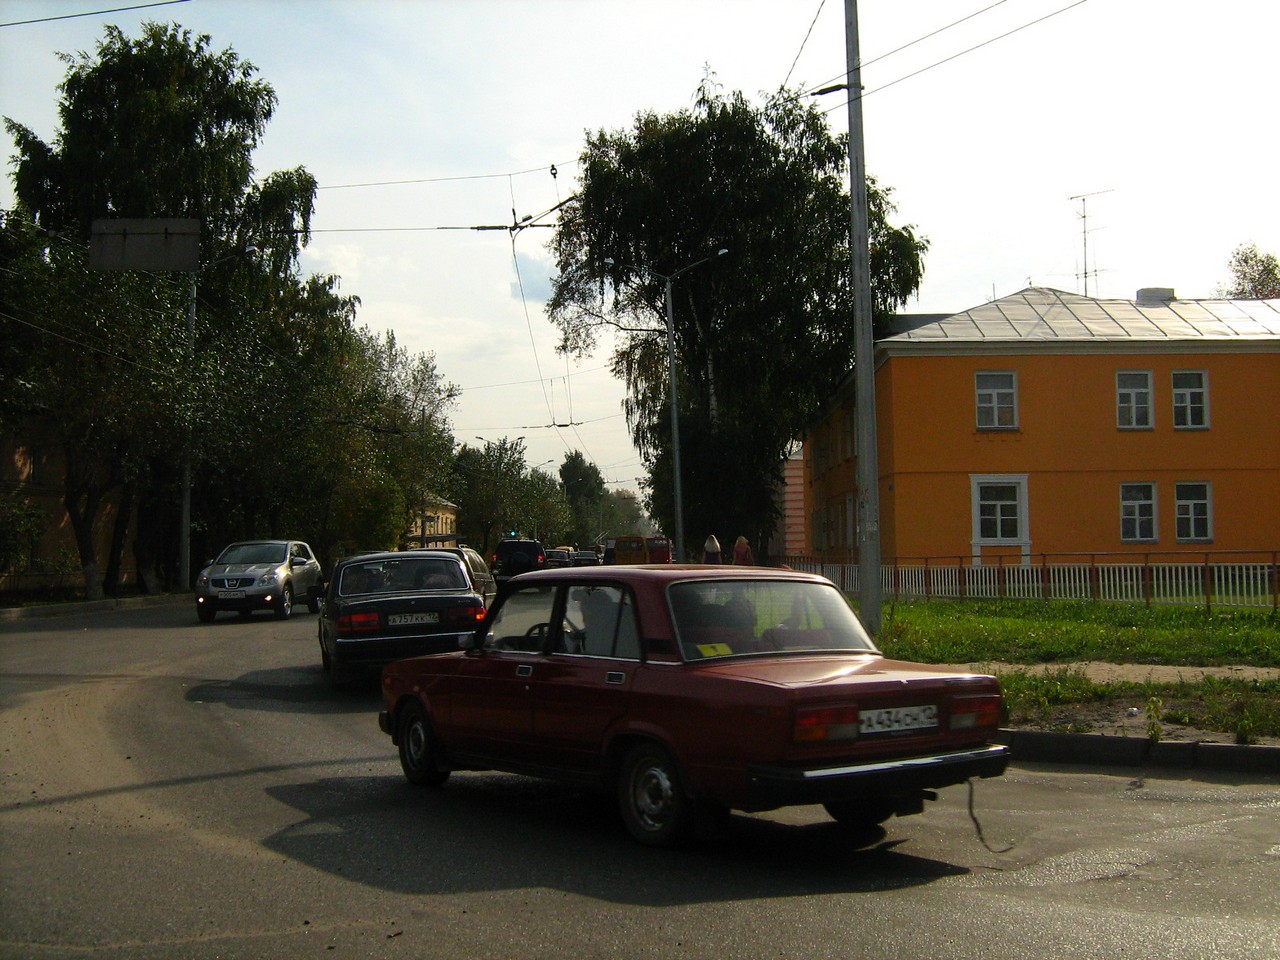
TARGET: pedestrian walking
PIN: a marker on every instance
(742, 553)
(711, 549)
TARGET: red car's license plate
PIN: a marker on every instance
(922, 717)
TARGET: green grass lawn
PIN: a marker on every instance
(1031, 632)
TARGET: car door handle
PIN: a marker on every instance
(615, 676)
(524, 670)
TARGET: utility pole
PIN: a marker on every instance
(864, 368)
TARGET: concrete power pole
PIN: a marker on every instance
(864, 369)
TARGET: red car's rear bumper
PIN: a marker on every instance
(770, 787)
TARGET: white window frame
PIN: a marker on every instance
(1127, 400)
(1022, 539)
(1185, 511)
(1184, 400)
(994, 399)
(1131, 511)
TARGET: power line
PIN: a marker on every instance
(93, 13)
(552, 169)
(955, 56)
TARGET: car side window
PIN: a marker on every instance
(600, 621)
(522, 621)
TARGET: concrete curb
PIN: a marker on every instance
(1038, 746)
(92, 606)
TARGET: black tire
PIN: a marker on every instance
(860, 814)
(284, 603)
(205, 612)
(417, 747)
(651, 797)
(313, 602)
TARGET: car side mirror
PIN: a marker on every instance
(297, 562)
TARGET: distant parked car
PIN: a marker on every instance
(514, 556)
(557, 558)
(382, 607)
(584, 558)
(682, 689)
(259, 574)
(481, 576)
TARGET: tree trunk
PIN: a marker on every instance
(119, 532)
(82, 507)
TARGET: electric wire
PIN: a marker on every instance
(93, 13)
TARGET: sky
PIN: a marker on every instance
(1014, 134)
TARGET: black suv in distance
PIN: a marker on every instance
(514, 556)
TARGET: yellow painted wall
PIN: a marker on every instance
(1071, 449)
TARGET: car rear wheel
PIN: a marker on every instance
(417, 749)
(284, 604)
(651, 799)
(861, 814)
(313, 603)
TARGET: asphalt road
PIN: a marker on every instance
(176, 790)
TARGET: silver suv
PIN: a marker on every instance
(259, 574)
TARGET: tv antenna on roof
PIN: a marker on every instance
(1084, 232)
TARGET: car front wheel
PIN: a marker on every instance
(206, 612)
(284, 605)
(417, 751)
(653, 804)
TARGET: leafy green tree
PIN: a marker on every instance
(486, 485)
(1254, 275)
(584, 489)
(763, 333)
(200, 114)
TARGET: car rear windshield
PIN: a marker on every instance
(253, 553)
(720, 618)
(410, 575)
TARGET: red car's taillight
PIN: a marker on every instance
(982, 710)
(816, 724)
(358, 622)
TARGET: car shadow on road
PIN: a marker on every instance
(484, 832)
(294, 689)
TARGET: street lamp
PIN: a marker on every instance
(668, 279)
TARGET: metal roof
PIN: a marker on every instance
(1045, 315)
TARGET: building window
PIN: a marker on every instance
(1194, 512)
(997, 393)
(1133, 399)
(1000, 509)
(1190, 400)
(1138, 512)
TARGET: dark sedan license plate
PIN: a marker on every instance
(407, 619)
(922, 717)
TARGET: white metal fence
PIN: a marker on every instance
(1210, 580)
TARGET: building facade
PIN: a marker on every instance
(1048, 423)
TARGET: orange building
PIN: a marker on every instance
(1048, 423)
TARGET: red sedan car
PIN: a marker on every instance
(685, 689)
